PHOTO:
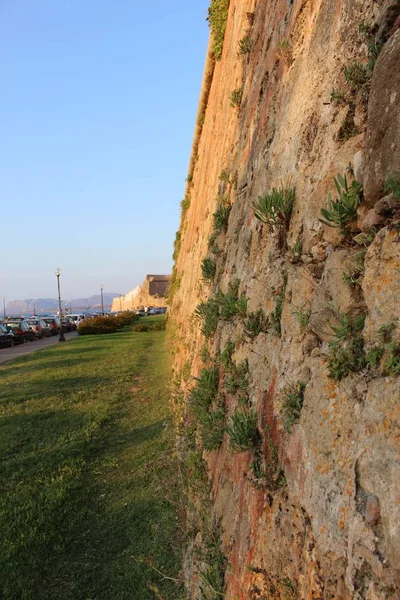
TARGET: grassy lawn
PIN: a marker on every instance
(88, 481)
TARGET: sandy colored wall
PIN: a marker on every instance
(330, 528)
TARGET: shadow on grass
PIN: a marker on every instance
(73, 513)
(53, 387)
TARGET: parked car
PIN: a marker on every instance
(20, 329)
(39, 328)
(70, 324)
(53, 323)
(6, 337)
(78, 318)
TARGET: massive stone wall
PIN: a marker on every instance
(152, 292)
(312, 508)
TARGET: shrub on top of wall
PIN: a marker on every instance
(217, 18)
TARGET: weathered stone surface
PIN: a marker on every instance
(333, 296)
(383, 131)
(371, 220)
(359, 166)
(372, 510)
(389, 19)
(387, 206)
(381, 285)
(311, 534)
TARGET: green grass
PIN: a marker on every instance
(88, 504)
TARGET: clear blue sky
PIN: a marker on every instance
(97, 110)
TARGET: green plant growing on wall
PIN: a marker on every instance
(208, 312)
(225, 176)
(244, 46)
(346, 352)
(225, 357)
(385, 331)
(373, 357)
(208, 268)
(303, 316)
(205, 355)
(392, 364)
(242, 430)
(236, 97)
(174, 285)
(212, 244)
(221, 216)
(342, 210)
(205, 391)
(337, 97)
(214, 563)
(355, 273)
(185, 204)
(256, 323)
(177, 246)
(217, 19)
(265, 471)
(285, 51)
(348, 128)
(231, 304)
(212, 429)
(237, 380)
(186, 371)
(355, 74)
(293, 397)
(276, 315)
(392, 186)
(275, 207)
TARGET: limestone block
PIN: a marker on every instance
(379, 464)
(383, 126)
(381, 285)
(333, 295)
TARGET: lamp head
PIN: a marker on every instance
(58, 272)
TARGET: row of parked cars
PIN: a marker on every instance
(19, 330)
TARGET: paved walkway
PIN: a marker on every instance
(22, 349)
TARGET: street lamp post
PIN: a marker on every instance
(61, 338)
(102, 301)
(4, 307)
(34, 308)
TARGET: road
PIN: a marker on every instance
(22, 349)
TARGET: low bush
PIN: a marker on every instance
(98, 325)
(159, 326)
(126, 318)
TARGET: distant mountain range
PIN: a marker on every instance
(44, 305)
